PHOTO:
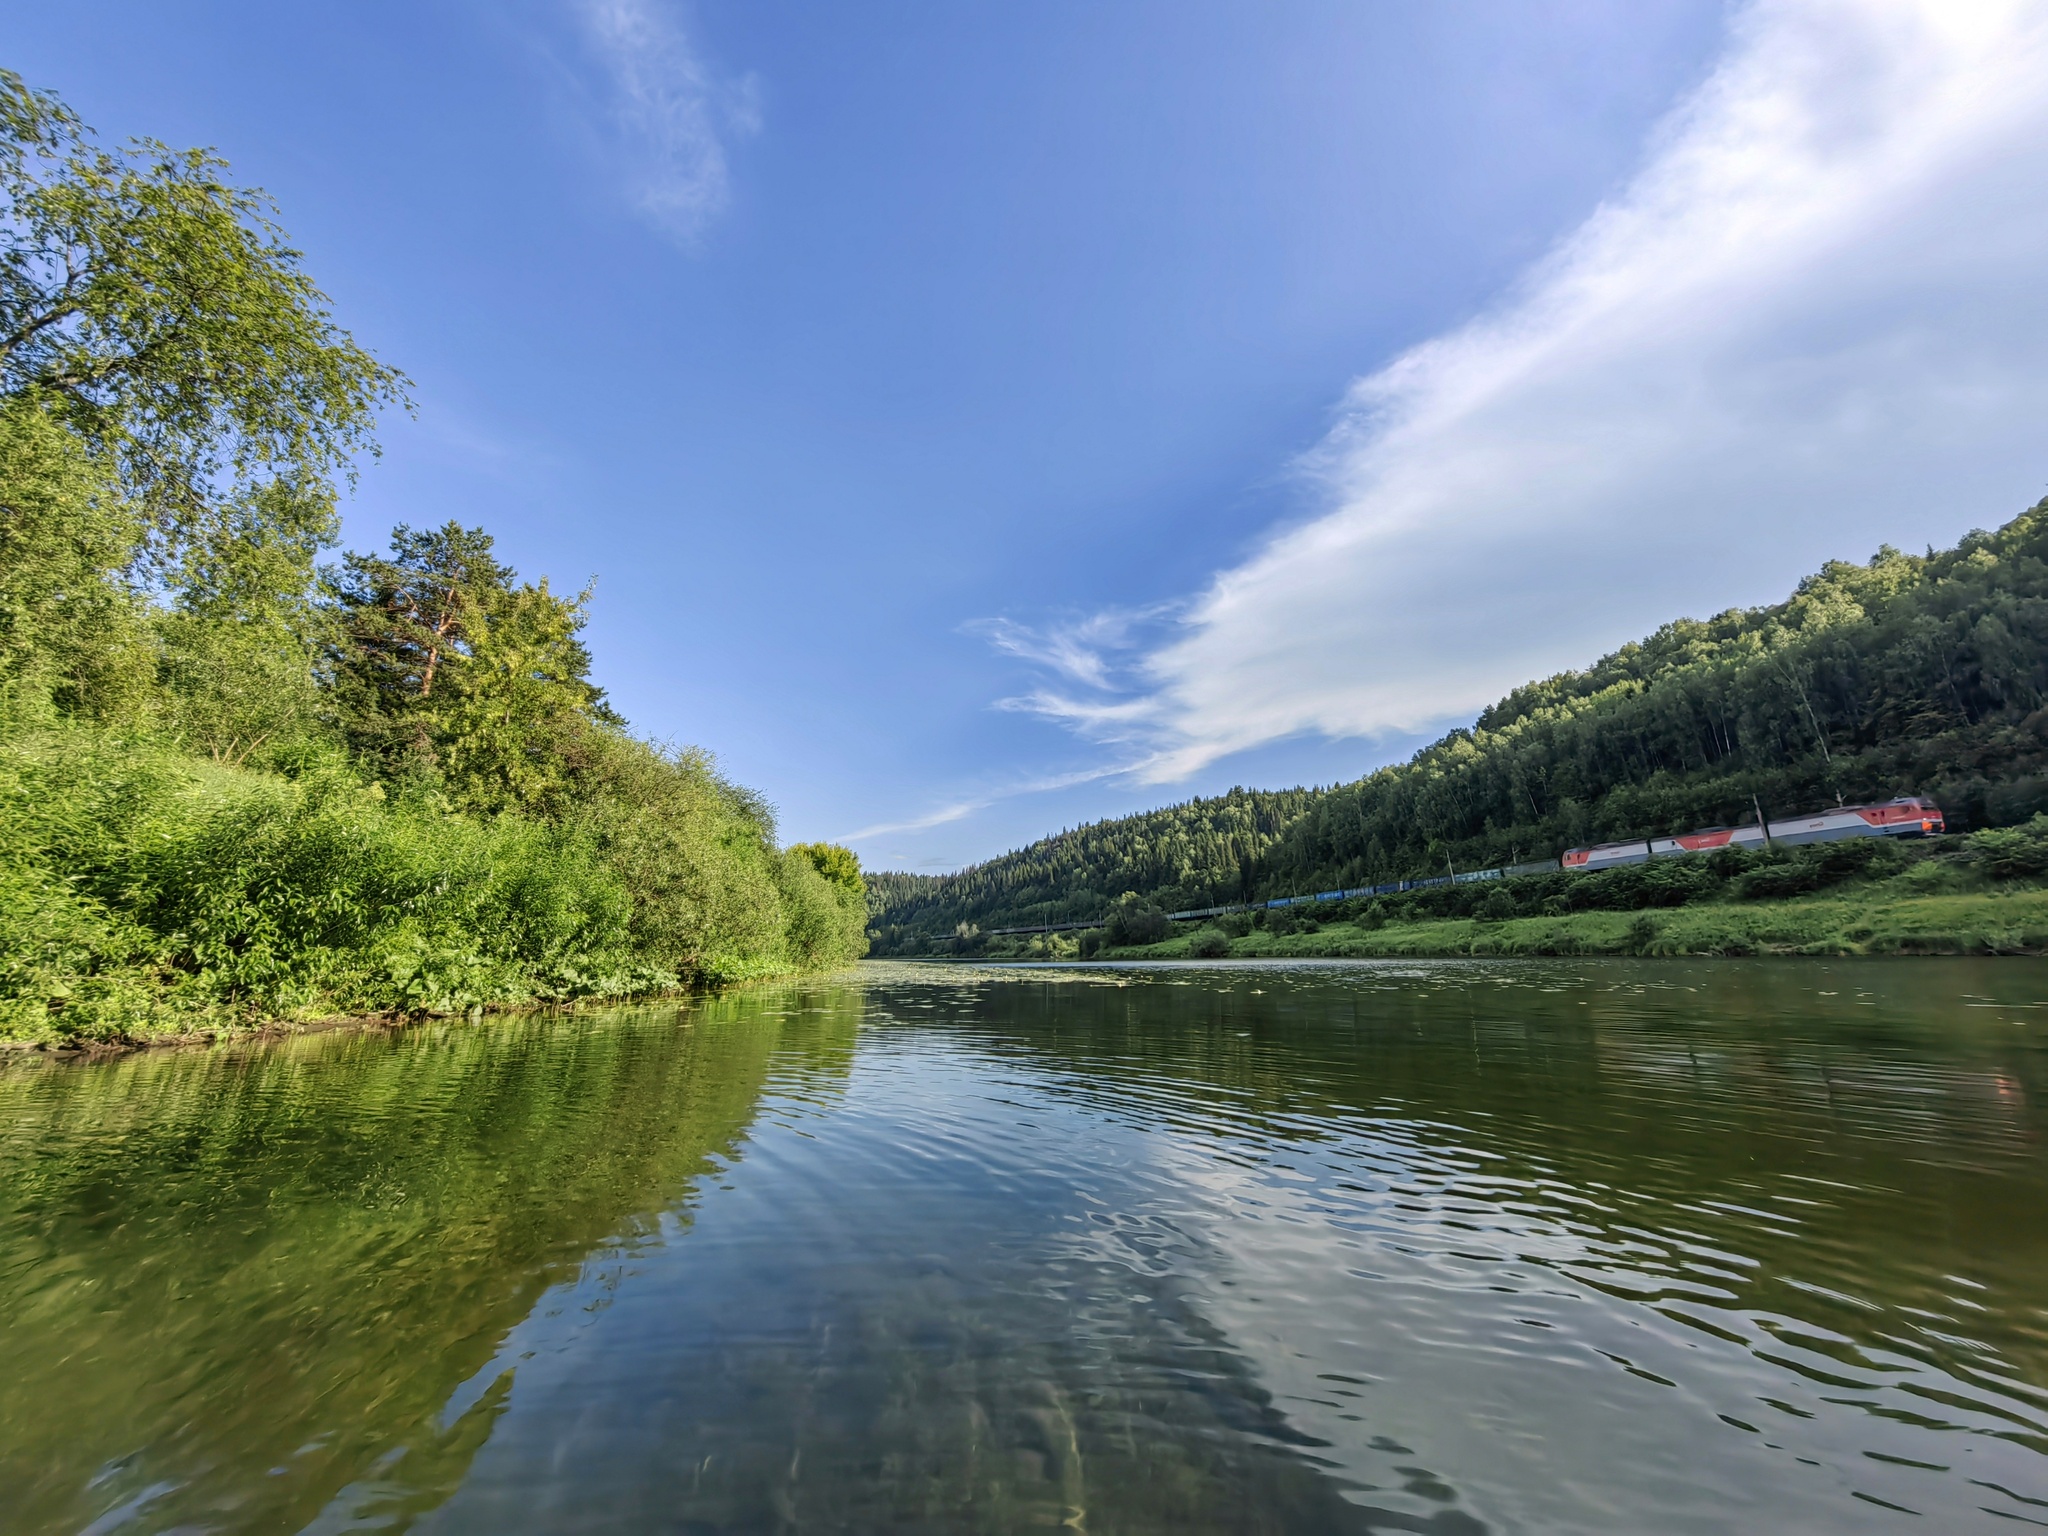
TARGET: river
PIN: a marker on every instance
(1447, 1247)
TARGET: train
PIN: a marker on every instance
(1911, 816)
(1907, 817)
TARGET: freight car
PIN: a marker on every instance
(1911, 817)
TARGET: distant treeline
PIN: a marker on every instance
(236, 782)
(1911, 674)
(1195, 854)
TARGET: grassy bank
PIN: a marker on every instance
(1874, 921)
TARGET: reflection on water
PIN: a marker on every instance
(1549, 1246)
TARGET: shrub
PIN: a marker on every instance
(1209, 944)
(1798, 871)
(1633, 887)
(825, 917)
(138, 881)
(1498, 906)
(1133, 922)
(2011, 853)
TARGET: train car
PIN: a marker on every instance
(1605, 856)
(1911, 817)
(1707, 840)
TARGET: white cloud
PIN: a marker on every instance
(1817, 317)
(1086, 650)
(959, 810)
(676, 113)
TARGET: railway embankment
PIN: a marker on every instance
(1982, 894)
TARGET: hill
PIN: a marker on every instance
(1906, 674)
(1196, 853)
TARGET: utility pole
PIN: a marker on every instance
(1762, 824)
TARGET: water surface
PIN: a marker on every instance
(1450, 1247)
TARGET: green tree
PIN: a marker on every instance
(238, 651)
(408, 616)
(176, 411)
(71, 633)
(444, 661)
(156, 310)
(839, 865)
(521, 708)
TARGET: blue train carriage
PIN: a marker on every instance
(1910, 817)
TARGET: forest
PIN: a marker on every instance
(1909, 674)
(241, 780)
(1198, 853)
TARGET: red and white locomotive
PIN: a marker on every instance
(1912, 817)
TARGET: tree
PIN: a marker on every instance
(404, 617)
(156, 310)
(521, 704)
(70, 633)
(839, 865)
(443, 661)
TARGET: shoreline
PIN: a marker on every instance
(1933, 907)
(87, 1049)
(1849, 923)
(80, 1048)
(277, 1029)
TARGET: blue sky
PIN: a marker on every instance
(980, 419)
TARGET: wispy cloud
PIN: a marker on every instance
(961, 809)
(1814, 318)
(677, 116)
(1091, 650)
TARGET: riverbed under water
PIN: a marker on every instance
(1556, 1246)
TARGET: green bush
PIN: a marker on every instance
(1498, 906)
(2011, 853)
(145, 889)
(1209, 944)
(1784, 872)
(1285, 920)
(1132, 922)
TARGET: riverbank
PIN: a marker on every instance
(203, 1035)
(1872, 920)
(211, 1029)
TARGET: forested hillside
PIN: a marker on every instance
(1910, 674)
(236, 783)
(1193, 854)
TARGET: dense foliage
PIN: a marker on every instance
(1910, 674)
(234, 783)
